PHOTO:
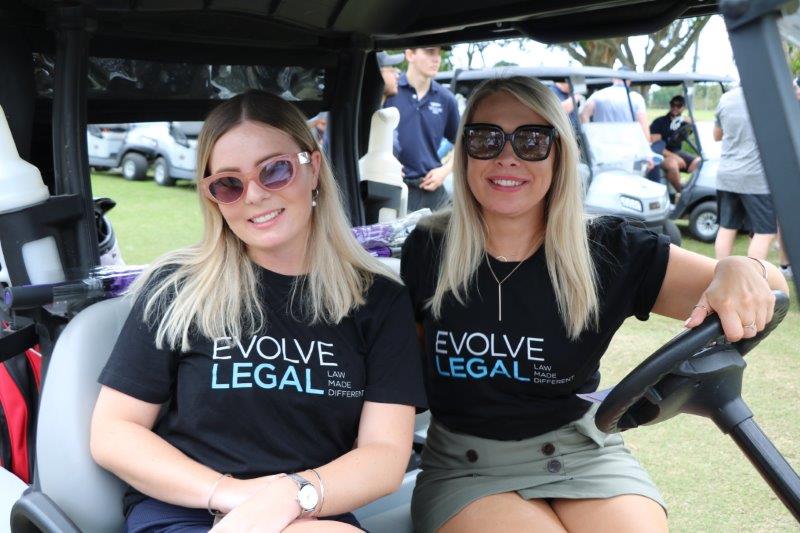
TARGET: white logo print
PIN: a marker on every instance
(435, 108)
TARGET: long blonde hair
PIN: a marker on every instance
(569, 261)
(211, 288)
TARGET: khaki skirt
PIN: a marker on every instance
(575, 461)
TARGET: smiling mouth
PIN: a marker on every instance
(506, 182)
(266, 217)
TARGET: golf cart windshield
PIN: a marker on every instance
(705, 132)
(616, 145)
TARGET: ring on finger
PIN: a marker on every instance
(751, 325)
(703, 307)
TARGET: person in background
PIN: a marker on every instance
(783, 258)
(742, 190)
(570, 106)
(667, 128)
(428, 113)
(389, 72)
(612, 105)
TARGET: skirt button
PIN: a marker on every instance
(472, 456)
(554, 466)
(548, 449)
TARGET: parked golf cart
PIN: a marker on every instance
(613, 155)
(105, 143)
(698, 199)
(330, 43)
(170, 147)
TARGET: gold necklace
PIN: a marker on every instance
(500, 282)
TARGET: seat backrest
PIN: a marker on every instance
(89, 495)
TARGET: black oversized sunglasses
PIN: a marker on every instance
(530, 142)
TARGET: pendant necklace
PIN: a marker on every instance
(500, 282)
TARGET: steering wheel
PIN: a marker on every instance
(681, 132)
(696, 372)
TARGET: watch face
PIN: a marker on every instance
(308, 498)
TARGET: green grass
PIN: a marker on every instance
(150, 220)
(707, 482)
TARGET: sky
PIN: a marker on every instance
(714, 53)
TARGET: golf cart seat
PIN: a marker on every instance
(73, 493)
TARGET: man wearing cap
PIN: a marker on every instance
(670, 129)
(428, 113)
(612, 105)
(389, 71)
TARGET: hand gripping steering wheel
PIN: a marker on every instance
(700, 372)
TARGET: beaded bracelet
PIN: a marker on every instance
(760, 262)
(211, 511)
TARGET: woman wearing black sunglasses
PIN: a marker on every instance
(517, 295)
(269, 372)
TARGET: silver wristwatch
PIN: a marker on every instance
(307, 495)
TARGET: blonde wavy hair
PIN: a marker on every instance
(211, 288)
(569, 261)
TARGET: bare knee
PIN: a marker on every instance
(620, 514)
(505, 512)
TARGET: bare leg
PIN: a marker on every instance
(629, 513)
(724, 243)
(505, 512)
(759, 245)
(671, 169)
(694, 165)
(782, 257)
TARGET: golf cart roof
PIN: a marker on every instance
(663, 78)
(542, 73)
(315, 26)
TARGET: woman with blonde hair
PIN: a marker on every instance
(517, 296)
(267, 375)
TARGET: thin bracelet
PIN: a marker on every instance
(211, 511)
(321, 491)
(760, 262)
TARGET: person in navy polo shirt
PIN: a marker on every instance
(428, 113)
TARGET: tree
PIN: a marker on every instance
(665, 47)
(479, 47)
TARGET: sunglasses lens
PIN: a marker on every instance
(532, 144)
(226, 189)
(484, 143)
(276, 174)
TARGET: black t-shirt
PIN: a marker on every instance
(285, 400)
(518, 378)
(666, 126)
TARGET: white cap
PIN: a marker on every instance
(21, 183)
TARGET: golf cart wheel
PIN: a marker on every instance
(134, 166)
(161, 173)
(671, 230)
(703, 222)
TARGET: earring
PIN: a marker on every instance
(314, 196)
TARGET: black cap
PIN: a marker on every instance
(677, 99)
